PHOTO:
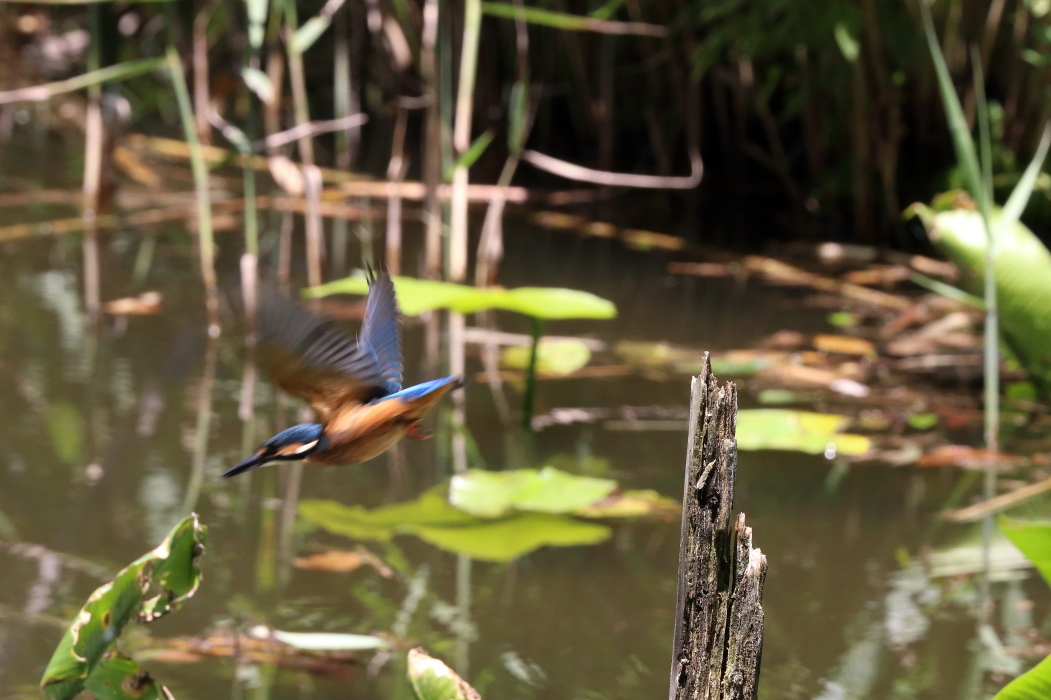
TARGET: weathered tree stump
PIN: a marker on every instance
(718, 612)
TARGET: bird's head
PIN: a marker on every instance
(297, 442)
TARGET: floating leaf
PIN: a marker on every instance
(169, 573)
(487, 494)
(329, 641)
(632, 504)
(510, 538)
(416, 296)
(922, 421)
(844, 345)
(797, 431)
(563, 356)
(434, 520)
(431, 679)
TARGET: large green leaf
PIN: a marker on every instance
(1035, 684)
(1023, 279)
(493, 494)
(416, 296)
(169, 574)
(1034, 539)
(554, 356)
(507, 539)
(797, 431)
(433, 519)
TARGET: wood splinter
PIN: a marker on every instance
(719, 613)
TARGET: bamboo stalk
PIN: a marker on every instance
(206, 241)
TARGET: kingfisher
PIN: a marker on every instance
(353, 386)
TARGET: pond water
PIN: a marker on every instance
(96, 451)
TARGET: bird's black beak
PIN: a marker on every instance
(257, 460)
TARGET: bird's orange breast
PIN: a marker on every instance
(359, 433)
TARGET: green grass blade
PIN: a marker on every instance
(1016, 203)
(961, 135)
(121, 71)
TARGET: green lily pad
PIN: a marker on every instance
(507, 539)
(562, 356)
(922, 421)
(416, 296)
(487, 494)
(797, 431)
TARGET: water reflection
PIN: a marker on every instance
(111, 432)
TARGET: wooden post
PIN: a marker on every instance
(718, 612)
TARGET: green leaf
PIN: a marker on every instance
(1023, 280)
(961, 133)
(118, 677)
(922, 421)
(562, 356)
(848, 45)
(417, 296)
(1024, 189)
(494, 494)
(329, 641)
(797, 431)
(67, 431)
(472, 154)
(310, 32)
(431, 679)
(168, 574)
(506, 540)
(259, 83)
(517, 117)
(1034, 684)
(533, 15)
(434, 520)
(1033, 538)
(256, 10)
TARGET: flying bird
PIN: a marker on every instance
(353, 387)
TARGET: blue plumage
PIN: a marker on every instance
(349, 385)
(415, 392)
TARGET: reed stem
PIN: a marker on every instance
(205, 237)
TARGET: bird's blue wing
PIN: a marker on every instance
(313, 359)
(381, 331)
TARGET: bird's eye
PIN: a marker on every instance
(304, 448)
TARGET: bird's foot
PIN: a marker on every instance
(416, 433)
